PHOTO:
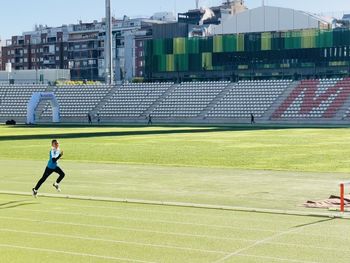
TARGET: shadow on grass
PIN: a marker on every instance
(232, 126)
(103, 134)
(314, 223)
(14, 204)
(135, 131)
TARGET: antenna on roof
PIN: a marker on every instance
(197, 4)
(263, 2)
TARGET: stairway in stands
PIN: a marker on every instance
(155, 104)
(211, 105)
(268, 114)
(245, 98)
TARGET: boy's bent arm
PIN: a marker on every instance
(57, 158)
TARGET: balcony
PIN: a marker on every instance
(49, 62)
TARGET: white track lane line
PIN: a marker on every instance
(73, 253)
(169, 233)
(306, 246)
(174, 233)
(260, 242)
(257, 243)
(245, 218)
(187, 205)
(166, 246)
(346, 237)
(115, 241)
(147, 220)
(126, 229)
(182, 193)
(277, 258)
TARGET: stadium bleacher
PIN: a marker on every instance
(77, 101)
(315, 99)
(218, 101)
(132, 100)
(249, 97)
(14, 99)
(189, 99)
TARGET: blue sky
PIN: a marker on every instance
(21, 15)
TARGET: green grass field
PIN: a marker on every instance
(276, 169)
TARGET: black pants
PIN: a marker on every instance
(47, 173)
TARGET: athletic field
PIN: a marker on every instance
(174, 194)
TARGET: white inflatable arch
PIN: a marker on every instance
(34, 102)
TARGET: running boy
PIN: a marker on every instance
(52, 166)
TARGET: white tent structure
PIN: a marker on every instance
(34, 102)
(269, 18)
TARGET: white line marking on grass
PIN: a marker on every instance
(73, 253)
(338, 236)
(115, 241)
(158, 190)
(147, 220)
(187, 205)
(306, 246)
(173, 233)
(260, 242)
(257, 243)
(246, 216)
(126, 229)
(277, 258)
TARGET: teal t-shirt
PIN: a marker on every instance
(54, 153)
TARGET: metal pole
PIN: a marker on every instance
(108, 46)
(342, 195)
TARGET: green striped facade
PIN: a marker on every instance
(217, 52)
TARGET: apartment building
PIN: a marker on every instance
(80, 48)
(1, 55)
(43, 48)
